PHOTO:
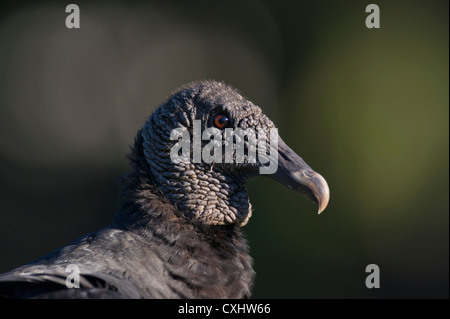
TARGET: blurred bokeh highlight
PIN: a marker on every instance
(366, 108)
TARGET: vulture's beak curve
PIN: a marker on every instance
(296, 174)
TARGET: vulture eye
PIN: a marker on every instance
(220, 121)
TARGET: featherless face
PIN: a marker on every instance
(205, 142)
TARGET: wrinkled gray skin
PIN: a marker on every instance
(211, 193)
(178, 231)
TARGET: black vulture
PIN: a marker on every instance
(177, 233)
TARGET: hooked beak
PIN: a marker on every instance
(296, 174)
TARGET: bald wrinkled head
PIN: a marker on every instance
(213, 193)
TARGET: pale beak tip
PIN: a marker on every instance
(324, 196)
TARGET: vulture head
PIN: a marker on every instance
(186, 146)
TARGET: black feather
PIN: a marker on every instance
(149, 251)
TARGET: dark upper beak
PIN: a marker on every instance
(296, 174)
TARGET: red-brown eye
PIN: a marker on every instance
(221, 121)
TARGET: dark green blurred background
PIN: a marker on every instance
(367, 108)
